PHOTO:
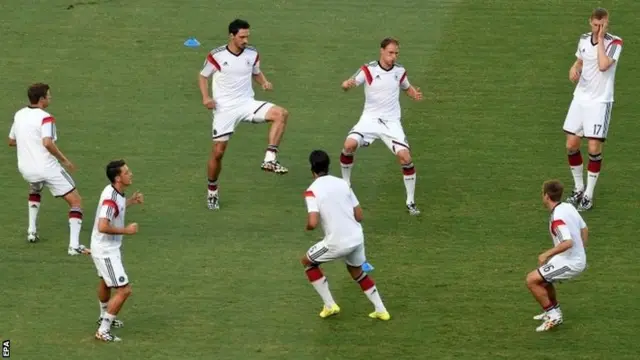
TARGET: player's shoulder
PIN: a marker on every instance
(110, 193)
(218, 50)
(251, 49)
(585, 36)
(611, 37)
(371, 64)
(565, 210)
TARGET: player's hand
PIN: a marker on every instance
(542, 259)
(348, 84)
(137, 198)
(131, 228)
(602, 30)
(267, 86)
(416, 94)
(209, 103)
(69, 166)
(574, 74)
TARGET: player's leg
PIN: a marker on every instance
(35, 189)
(393, 136)
(596, 130)
(363, 134)
(316, 255)
(573, 127)
(263, 111)
(354, 261)
(62, 185)
(224, 124)
(104, 295)
(114, 276)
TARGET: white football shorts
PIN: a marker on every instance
(226, 121)
(369, 129)
(322, 253)
(57, 180)
(588, 119)
(110, 269)
(558, 268)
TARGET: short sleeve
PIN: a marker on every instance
(363, 74)
(12, 132)
(353, 198)
(49, 128)
(614, 49)
(578, 52)
(210, 66)
(108, 209)
(582, 223)
(256, 65)
(560, 230)
(404, 81)
(312, 203)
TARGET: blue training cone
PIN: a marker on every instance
(367, 267)
(192, 43)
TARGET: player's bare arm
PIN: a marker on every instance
(357, 213)
(414, 93)
(560, 248)
(12, 142)
(51, 147)
(584, 232)
(203, 84)
(105, 227)
(313, 218)
(136, 198)
(575, 70)
(262, 80)
(604, 61)
(348, 84)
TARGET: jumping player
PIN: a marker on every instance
(590, 111)
(34, 135)
(234, 66)
(565, 261)
(331, 203)
(380, 118)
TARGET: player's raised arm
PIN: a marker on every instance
(136, 198)
(607, 56)
(412, 91)
(209, 67)
(560, 229)
(108, 211)
(357, 79)
(48, 136)
(12, 136)
(313, 212)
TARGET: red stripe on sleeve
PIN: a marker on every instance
(112, 204)
(213, 61)
(257, 58)
(367, 74)
(309, 193)
(48, 119)
(616, 42)
(555, 224)
(404, 76)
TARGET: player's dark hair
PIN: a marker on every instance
(599, 13)
(554, 189)
(36, 92)
(386, 41)
(114, 168)
(319, 161)
(236, 25)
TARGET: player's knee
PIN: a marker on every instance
(404, 156)
(284, 114)
(573, 143)
(532, 279)
(218, 151)
(74, 199)
(350, 145)
(595, 146)
(304, 260)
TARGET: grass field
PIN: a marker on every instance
(228, 285)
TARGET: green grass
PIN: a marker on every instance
(228, 285)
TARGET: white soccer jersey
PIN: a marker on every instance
(334, 200)
(233, 84)
(566, 223)
(382, 89)
(30, 126)
(596, 85)
(112, 206)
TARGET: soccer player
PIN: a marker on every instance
(106, 240)
(565, 261)
(234, 65)
(331, 203)
(41, 163)
(380, 118)
(590, 111)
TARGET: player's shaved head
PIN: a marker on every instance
(553, 189)
(319, 161)
(599, 13)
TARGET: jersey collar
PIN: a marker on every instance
(232, 53)
(383, 68)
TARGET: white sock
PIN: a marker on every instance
(34, 207)
(575, 158)
(374, 297)
(346, 164)
(593, 172)
(105, 325)
(271, 154)
(75, 225)
(409, 182)
(322, 287)
(103, 308)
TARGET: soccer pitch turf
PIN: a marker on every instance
(228, 284)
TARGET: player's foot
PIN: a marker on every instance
(540, 317)
(274, 167)
(80, 250)
(413, 209)
(585, 204)
(575, 197)
(326, 311)
(380, 315)
(106, 336)
(213, 202)
(32, 237)
(549, 323)
(114, 324)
